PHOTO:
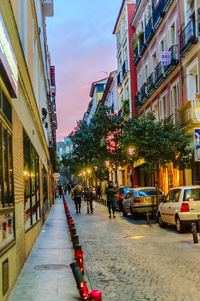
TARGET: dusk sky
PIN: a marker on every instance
(83, 50)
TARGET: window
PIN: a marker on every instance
(192, 76)
(172, 34)
(31, 184)
(174, 98)
(45, 190)
(163, 107)
(6, 184)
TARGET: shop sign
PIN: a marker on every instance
(166, 57)
(197, 145)
(7, 57)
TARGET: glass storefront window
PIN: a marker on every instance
(7, 224)
(31, 181)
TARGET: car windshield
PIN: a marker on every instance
(149, 191)
(193, 194)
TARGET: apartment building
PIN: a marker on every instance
(190, 67)
(156, 47)
(126, 79)
(27, 132)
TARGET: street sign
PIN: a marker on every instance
(165, 57)
(197, 145)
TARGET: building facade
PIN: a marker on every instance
(27, 132)
(164, 34)
(126, 79)
(96, 93)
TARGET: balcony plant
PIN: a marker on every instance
(185, 107)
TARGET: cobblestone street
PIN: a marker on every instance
(131, 261)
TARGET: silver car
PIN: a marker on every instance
(141, 200)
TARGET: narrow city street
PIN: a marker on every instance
(129, 260)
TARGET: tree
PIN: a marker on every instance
(158, 142)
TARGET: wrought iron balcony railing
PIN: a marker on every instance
(159, 73)
(174, 59)
(188, 37)
(142, 93)
(151, 83)
(158, 13)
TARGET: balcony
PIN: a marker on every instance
(138, 104)
(187, 117)
(174, 60)
(159, 74)
(47, 8)
(124, 68)
(149, 32)
(142, 93)
(188, 37)
(52, 79)
(119, 80)
(151, 83)
(158, 13)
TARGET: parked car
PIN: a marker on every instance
(140, 200)
(121, 194)
(180, 207)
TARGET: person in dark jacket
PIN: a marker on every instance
(60, 191)
(111, 192)
(88, 194)
(77, 195)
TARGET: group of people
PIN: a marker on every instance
(87, 195)
(78, 194)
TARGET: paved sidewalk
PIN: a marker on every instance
(46, 275)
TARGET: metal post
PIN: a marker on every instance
(194, 232)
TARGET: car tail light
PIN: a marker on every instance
(137, 200)
(121, 196)
(184, 207)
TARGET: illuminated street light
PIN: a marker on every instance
(88, 171)
(131, 151)
(107, 163)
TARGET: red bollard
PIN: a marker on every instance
(83, 290)
(95, 296)
(70, 221)
(79, 259)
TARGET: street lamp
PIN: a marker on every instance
(131, 152)
(89, 172)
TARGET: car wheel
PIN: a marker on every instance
(133, 214)
(179, 226)
(124, 213)
(160, 221)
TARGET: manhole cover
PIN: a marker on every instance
(51, 267)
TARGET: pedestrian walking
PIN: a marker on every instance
(69, 188)
(88, 195)
(99, 192)
(111, 192)
(77, 196)
(60, 190)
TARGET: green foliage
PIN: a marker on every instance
(158, 142)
